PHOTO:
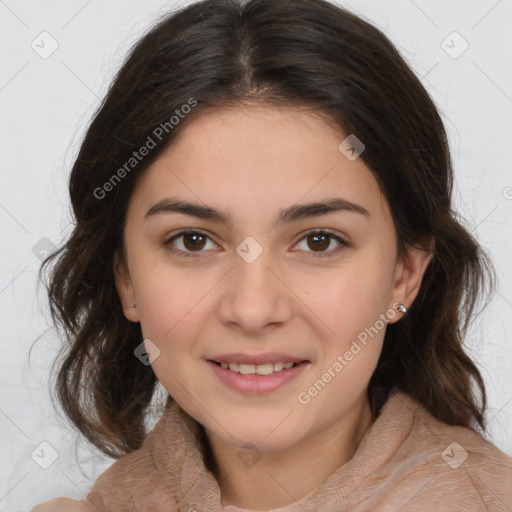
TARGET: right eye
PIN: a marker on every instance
(192, 241)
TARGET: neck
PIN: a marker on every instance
(281, 478)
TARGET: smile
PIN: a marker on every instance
(257, 378)
(259, 369)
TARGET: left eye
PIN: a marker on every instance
(194, 241)
(321, 240)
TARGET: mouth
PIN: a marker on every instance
(259, 378)
(256, 369)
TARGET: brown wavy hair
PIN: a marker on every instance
(306, 53)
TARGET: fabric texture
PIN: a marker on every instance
(407, 461)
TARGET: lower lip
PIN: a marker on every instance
(254, 383)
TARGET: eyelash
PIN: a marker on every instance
(324, 254)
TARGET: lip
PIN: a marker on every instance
(269, 357)
(257, 384)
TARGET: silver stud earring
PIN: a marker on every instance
(132, 305)
(401, 308)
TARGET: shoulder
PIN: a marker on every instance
(130, 479)
(115, 482)
(473, 486)
(446, 464)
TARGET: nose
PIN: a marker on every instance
(255, 298)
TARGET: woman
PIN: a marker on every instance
(264, 226)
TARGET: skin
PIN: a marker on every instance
(251, 162)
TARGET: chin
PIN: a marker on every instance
(265, 434)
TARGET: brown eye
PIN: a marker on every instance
(188, 243)
(317, 242)
(193, 241)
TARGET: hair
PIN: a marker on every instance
(310, 54)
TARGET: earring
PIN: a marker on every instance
(401, 308)
(132, 305)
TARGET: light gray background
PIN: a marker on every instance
(46, 104)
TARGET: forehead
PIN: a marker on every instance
(257, 157)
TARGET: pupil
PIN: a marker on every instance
(323, 239)
(198, 239)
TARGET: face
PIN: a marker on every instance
(254, 275)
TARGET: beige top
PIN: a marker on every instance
(407, 461)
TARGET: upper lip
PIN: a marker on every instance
(269, 357)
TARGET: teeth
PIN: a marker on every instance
(260, 369)
(246, 369)
(265, 369)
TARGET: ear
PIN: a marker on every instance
(124, 287)
(408, 277)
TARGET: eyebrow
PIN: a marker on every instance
(286, 215)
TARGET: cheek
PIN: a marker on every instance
(353, 298)
(351, 306)
(171, 314)
(169, 301)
